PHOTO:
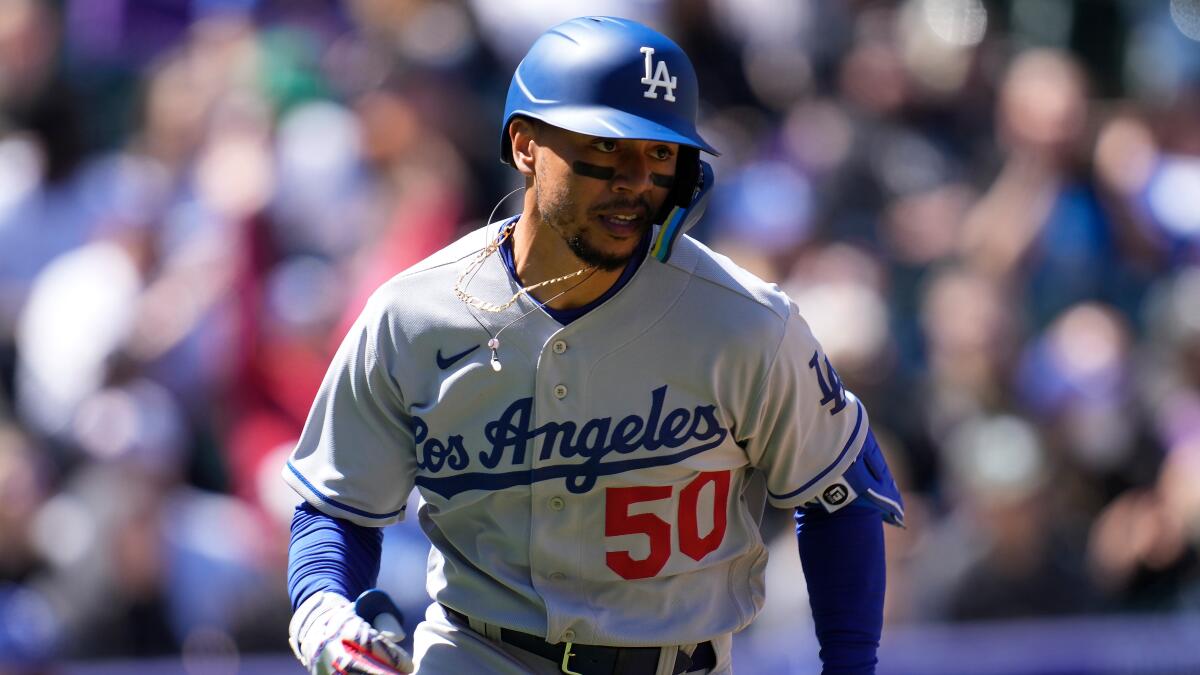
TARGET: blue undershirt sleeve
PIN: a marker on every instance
(331, 554)
(842, 556)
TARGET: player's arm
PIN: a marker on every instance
(841, 549)
(330, 555)
(331, 560)
(354, 467)
(813, 441)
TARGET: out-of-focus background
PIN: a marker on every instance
(988, 210)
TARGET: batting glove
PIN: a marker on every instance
(330, 639)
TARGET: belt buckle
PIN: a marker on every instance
(567, 654)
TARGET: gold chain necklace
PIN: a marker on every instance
(467, 274)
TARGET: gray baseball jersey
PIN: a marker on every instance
(605, 486)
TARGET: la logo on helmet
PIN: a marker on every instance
(661, 78)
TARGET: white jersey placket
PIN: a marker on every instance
(559, 397)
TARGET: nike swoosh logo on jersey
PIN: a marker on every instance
(445, 362)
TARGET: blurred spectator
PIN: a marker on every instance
(1076, 381)
(1145, 546)
(25, 486)
(1042, 226)
(1005, 553)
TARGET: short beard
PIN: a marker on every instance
(594, 258)
(558, 214)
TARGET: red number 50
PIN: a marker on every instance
(618, 521)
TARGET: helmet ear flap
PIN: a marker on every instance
(687, 175)
(686, 202)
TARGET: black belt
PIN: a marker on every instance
(600, 660)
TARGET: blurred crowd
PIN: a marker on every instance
(988, 210)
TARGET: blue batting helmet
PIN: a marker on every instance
(607, 77)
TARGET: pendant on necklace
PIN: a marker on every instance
(494, 344)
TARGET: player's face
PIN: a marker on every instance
(601, 194)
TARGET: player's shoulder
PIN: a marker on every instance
(426, 284)
(723, 279)
(445, 263)
(450, 258)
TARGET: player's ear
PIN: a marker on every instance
(521, 132)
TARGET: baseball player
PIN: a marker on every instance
(594, 409)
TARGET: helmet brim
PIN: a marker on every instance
(606, 122)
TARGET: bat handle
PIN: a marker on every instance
(376, 607)
(388, 623)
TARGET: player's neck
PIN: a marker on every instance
(540, 254)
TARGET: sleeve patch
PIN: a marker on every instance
(850, 443)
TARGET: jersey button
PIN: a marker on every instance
(559, 346)
(559, 576)
(557, 503)
(560, 391)
(568, 635)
